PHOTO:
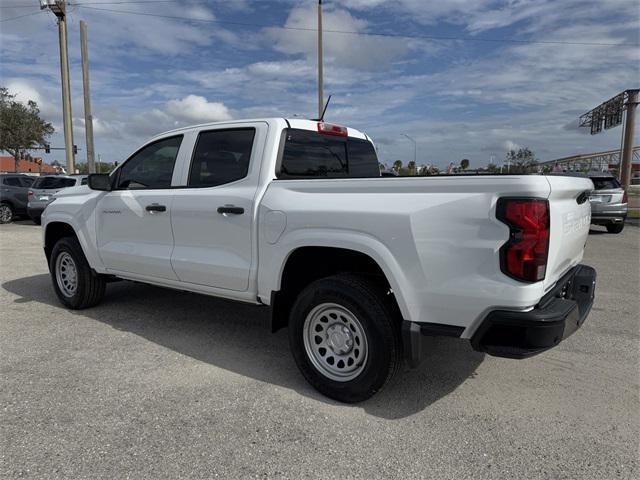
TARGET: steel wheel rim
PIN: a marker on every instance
(5, 213)
(335, 342)
(66, 274)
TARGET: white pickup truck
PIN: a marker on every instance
(293, 214)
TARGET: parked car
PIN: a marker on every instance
(608, 202)
(13, 195)
(44, 188)
(294, 214)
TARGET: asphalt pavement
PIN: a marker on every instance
(155, 383)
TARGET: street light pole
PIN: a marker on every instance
(320, 63)
(88, 118)
(629, 131)
(415, 147)
(59, 9)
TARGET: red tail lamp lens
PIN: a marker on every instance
(524, 256)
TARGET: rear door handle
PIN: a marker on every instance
(154, 207)
(231, 209)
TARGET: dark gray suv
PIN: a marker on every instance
(13, 195)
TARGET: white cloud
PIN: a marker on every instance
(197, 109)
(345, 50)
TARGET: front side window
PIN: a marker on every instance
(221, 156)
(151, 166)
(12, 181)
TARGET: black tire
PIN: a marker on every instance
(373, 309)
(90, 286)
(615, 227)
(6, 213)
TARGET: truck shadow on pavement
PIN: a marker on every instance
(236, 337)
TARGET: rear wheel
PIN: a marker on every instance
(345, 337)
(615, 227)
(6, 213)
(75, 283)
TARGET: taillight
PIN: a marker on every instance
(30, 195)
(624, 197)
(524, 256)
(330, 129)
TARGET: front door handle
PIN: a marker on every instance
(154, 207)
(231, 209)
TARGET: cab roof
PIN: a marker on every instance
(299, 123)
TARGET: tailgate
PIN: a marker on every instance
(570, 219)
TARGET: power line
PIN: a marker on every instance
(20, 16)
(120, 2)
(371, 34)
(88, 6)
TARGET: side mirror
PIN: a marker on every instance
(99, 181)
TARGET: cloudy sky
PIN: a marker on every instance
(442, 72)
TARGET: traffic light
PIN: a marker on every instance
(75, 149)
(47, 148)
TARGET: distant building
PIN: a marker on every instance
(27, 165)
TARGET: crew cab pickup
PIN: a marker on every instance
(293, 214)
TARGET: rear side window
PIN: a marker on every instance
(46, 183)
(605, 183)
(84, 181)
(221, 156)
(27, 181)
(309, 154)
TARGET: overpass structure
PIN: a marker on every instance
(600, 161)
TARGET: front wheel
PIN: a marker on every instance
(345, 337)
(615, 227)
(75, 283)
(6, 213)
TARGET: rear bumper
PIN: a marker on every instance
(603, 214)
(517, 334)
(35, 211)
(559, 314)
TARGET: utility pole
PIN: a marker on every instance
(320, 60)
(59, 9)
(415, 148)
(88, 118)
(629, 130)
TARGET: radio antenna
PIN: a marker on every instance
(321, 119)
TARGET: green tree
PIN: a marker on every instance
(522, 160)
(492, 168)
(464, 164)
(21, 128)
(102, 167)
(411, 167)
(397, 165)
